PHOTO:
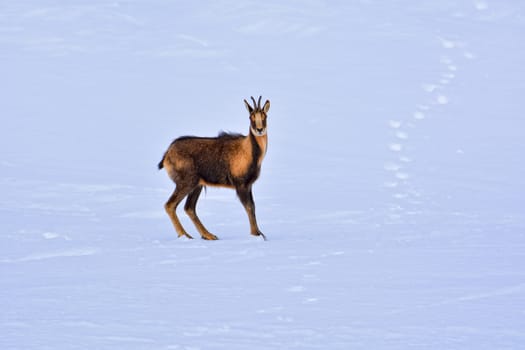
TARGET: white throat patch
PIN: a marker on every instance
(257, 133)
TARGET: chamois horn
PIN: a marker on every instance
(254, 104)
(259, 103)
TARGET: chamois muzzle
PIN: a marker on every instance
(258, 131)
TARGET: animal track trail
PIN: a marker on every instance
(406, 196)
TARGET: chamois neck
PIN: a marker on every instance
(259, 141)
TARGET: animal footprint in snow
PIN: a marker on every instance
(390, 166)
(429, 87)
(394, 124)
(481, 5)
(442, 99)
(272, 310)
(390, 184)
(336, 253)
(286, 319)
(445, 60)
(448, 44)
(402, 176)
(469, 55)
(53, 235)
(310, 300)
(419, 115)
(395, 147)
(402, 135)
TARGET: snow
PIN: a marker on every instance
(392, 193)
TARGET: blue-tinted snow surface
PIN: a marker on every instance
(392, 193)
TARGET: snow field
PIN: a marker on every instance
(391, 195)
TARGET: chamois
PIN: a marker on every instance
(228, 160)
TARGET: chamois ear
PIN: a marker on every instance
(266, 106)
(248, 107)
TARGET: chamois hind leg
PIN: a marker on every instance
(171, 208)
(190, 208)
(246, 197)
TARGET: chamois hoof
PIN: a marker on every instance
(259, 233)
(209, 237)
(185, 235)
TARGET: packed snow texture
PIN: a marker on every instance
(392, 193)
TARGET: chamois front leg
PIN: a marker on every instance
(190, 208)
(246, 197)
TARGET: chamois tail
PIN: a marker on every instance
(161, 163)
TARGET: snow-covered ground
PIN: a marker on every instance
(392, 193)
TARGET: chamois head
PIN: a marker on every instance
(258, 116)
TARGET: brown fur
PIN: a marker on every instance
(229, 160)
